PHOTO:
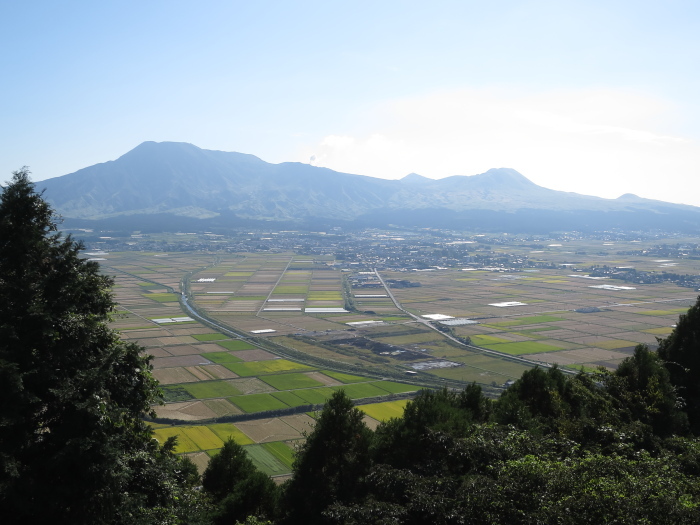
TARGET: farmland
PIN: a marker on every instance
(271, 333)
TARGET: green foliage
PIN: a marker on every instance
(237, 487)
(642, 384)
(681, 352)
(331, 464)
(400, 442)
(73, 446)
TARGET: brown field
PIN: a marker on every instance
(200, 459)
(169, 376)
(185, 360)
(299, 422)
(323, 378)
(186, 410)
(254, 355)
(605, 337)
(251, 385)
(266, 430)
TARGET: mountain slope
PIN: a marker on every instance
(182, 180)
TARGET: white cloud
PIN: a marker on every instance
(599, 142)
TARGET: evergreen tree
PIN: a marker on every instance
(237, 487)
(681, 352)
(73, 446)
(331, 464)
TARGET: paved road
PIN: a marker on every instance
(427, 323)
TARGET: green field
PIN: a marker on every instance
(283, 453)
(203, 437)
(209, 389)
(483, 340)
(289, 398)
(161, 297)
(360, 390)
(525, 320)
(612, 344)
(315, 396)
(256, 368)
(664, 330)
(184, 443)
(223, 357)
(210, 337)
(265, 461)
(525, 347)
(345, 378)
(670, 311)
(396, 388)
(226, 430)
(257, 403)
(175, 393)
(385, 411)
(235, 345)
(291, 381)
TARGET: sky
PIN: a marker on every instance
(594, 97)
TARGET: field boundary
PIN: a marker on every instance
(269, 414)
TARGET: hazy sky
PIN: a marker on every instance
(596, 97)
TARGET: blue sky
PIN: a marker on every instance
(596, 97)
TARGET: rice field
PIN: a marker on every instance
(291, 381)
(385, 411)
(258, 368)
(205, 374)
(266, 461)
(211, 389)
(257, 402)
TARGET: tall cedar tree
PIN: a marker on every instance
(681, 352)
(73, 393)
(331, 464)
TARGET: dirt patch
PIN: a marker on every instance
(323, 378)
(183, 350)
(255, 355)
(140, 334)
(266, 430)
(251, 385)
(300, 422)
(210, 347)
(200, 459)
(158, 352)
(279, 480)
(175, 340)
(170, 376)
(219, 372)
(371, 422)
(583, 355)
(222, 407)
(186, 411)
(185, 360)
(200, 373)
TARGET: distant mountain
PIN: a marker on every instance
(157, 181)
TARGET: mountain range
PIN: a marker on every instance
(172, 185)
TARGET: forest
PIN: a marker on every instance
(606, 447)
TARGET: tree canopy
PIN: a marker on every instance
(73, 445)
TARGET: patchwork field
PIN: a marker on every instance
(278, 356)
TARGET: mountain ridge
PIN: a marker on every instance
(183, 180)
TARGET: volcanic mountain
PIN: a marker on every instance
(204, 188)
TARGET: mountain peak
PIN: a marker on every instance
(629, 197)
(506, 175)
(414, 178)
